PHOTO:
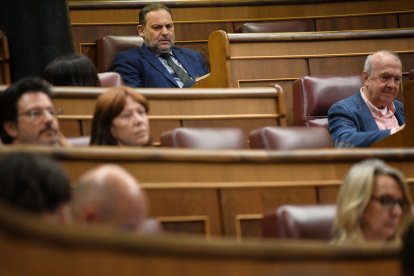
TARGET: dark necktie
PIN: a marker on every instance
(185, 78)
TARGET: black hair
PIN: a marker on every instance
(10, 97)
(142, 16)
(71, 70)
(33, 183)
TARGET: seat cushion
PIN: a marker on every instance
(287, 138)
(299, 222)
(205, 138)
(109, 46)
(314, 95)
(110, 79)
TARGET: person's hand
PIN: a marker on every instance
(62, 141)
(400, 128)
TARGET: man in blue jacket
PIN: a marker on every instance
(158, 63)
(372, 114)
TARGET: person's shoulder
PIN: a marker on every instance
(130, 52)
(397, 103)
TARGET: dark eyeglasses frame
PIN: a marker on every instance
(37, 114)
(389, 202)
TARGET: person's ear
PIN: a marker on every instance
(140, 29)
(11, 128)
(89, 215)
(365, 77)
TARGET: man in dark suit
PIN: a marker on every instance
(158, 63)
(372, 114)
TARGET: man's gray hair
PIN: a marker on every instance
(370, 59)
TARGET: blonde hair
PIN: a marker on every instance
(355, 195)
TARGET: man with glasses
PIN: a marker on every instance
(27, 114)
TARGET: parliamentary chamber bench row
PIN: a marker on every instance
(266, 59)
(245, 108)
(73, 249)
(226, 192)
(253, 60)
(195, 20)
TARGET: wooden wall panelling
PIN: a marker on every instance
(194, 211)
(195, 23)
(247, 108)
(223, 189)
(241, 202)
(257, 58)
(241, 11)
(406, 20)
(74, 247)
(366, 22)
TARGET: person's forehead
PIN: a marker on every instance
(385, 61)
(33, 99)
(385, 183)
(159, 17)
(132, 103)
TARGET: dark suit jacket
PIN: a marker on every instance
(140, 67)
(351, 123)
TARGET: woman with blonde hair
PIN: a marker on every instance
(120, 118)
(373, 205)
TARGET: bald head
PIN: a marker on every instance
(377, 57)
(382, 78)
(109, 195)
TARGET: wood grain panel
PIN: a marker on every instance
(406, 20)
(113, 252)
(222, 185)
(251, 10)
(247, 108)
(187, 209)
(241, 201)
(371, 22)
(269, 68)
(352, 65)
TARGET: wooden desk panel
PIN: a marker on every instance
(70, 249)
(258, 59)
(194, 21)
(225, 192)
(246, 108)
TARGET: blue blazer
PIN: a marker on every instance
(351, 123)
(140, 67)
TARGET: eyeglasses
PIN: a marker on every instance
(37, 113)
(389, 202)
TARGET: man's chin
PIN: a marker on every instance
(164, 48)
(48, 140)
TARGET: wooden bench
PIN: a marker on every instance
(226, 192)
(195, 20)
(28, 246)
(240, 60)
(247, 108)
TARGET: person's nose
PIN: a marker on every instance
(164, 30)
(138, 118)
(396, 210)
(47, 116)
